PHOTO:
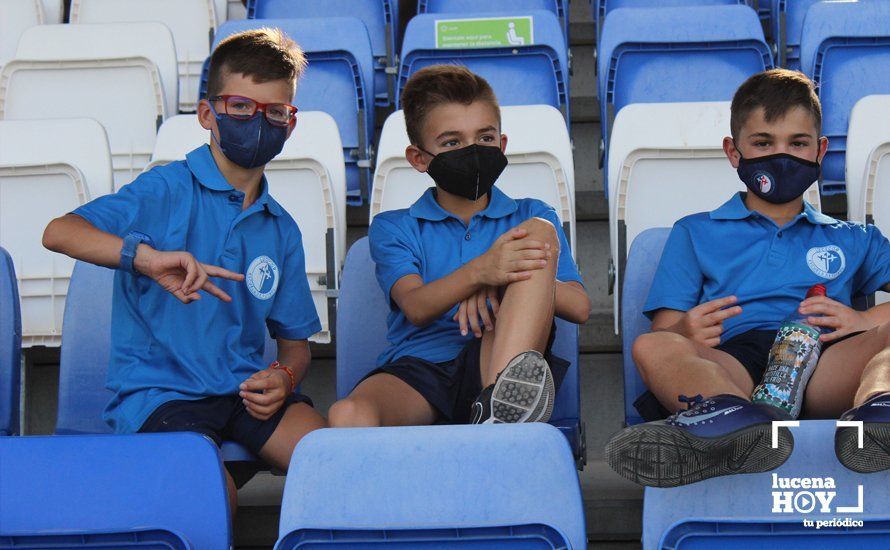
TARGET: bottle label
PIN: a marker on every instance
(792, 360)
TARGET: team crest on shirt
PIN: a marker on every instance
(262, 277)
(764, 181)
(827, 262)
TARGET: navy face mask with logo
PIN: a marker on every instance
(469, 172)
(778, 178)
(251, 142)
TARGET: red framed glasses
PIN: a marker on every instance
(236, 106)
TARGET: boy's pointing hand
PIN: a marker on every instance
(180, 274)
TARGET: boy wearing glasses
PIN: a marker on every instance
(206, 260)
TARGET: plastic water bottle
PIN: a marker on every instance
(792, 361)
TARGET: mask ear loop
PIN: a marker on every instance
(217, 117)
(476, 154)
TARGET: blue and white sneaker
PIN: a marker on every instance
(718, 436)
(874, 456)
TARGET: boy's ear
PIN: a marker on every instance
(823, 148)
(417, 158)
(503, 143)
(731, 152)
(205, 115)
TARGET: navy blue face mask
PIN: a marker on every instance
(250, 142)
(778, 178)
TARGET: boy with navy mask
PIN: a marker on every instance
(726, 281)
(206, 261)
(465, 258)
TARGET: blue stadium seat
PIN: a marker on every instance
(339, 81)
(381, 17)
(433, 487)
(638, 274)
(602, 8)
(560, 8)
(10, 346)
(361, 337)
(787, 26)
(845, 49)
(113, 491)
(736, 512)
(86, 348)
(520, 75)
(657, 55)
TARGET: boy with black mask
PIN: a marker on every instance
(726, 281)
(465, 258)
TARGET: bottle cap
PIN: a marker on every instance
(816, 290)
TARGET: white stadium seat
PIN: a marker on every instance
(868, 130)
(308, 179)
(41, 179)
(236, 10)
(540, 163)
(666, 161)
(92, 89)
(15, 17)
(192, 23)
(877, 194)
(53, 11)
(108, 41)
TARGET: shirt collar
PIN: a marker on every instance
(204, 168)
(735, 209)
(427, 208)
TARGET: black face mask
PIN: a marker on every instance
(469, 172)
(778, 178)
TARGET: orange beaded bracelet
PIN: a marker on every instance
(290, 373)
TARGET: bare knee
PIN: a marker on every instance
(884, 334)
(351, 412)
(542, 230)
(651, 345)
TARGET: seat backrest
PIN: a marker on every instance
(10, 347)
(656, 55)
(601, 8)
(642, 262)
(80, 142)
(30, 197)
(93, 89)
(558, 7)
(539, 153)
(339, 80)
(408, 484)
(788, 24)
(877, 196)
(844, 42)
(192, 23)
(307, 178)
(18, 15)
(126, 491)
(86, 350)
(151, 40)
(361, 333)
(525, 60)
(867, 130)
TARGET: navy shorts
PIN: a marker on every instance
(750, 348)
(221, 418)
(451, 387)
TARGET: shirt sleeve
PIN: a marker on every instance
(678, 278)
(394, 253)
(874, 273)
(293, 315)
(566, 269)
(143, 206)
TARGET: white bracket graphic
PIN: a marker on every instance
(852, 509)
(778, 424)
(852, 424)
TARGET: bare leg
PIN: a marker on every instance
(382, 400)
(526, 311)
(671, 365)
(849, 373)
(299, 419)
(232, 494)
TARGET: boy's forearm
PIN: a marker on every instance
(427, 302)
(572, 302)
(295, 354)
(75, 237)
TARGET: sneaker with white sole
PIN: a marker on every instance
(523, 392)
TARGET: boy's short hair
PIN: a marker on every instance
(777, 91)
(438, 84)
(263, 54)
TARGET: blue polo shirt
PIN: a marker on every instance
(427, 240)
(162, 349)
(736, 251)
